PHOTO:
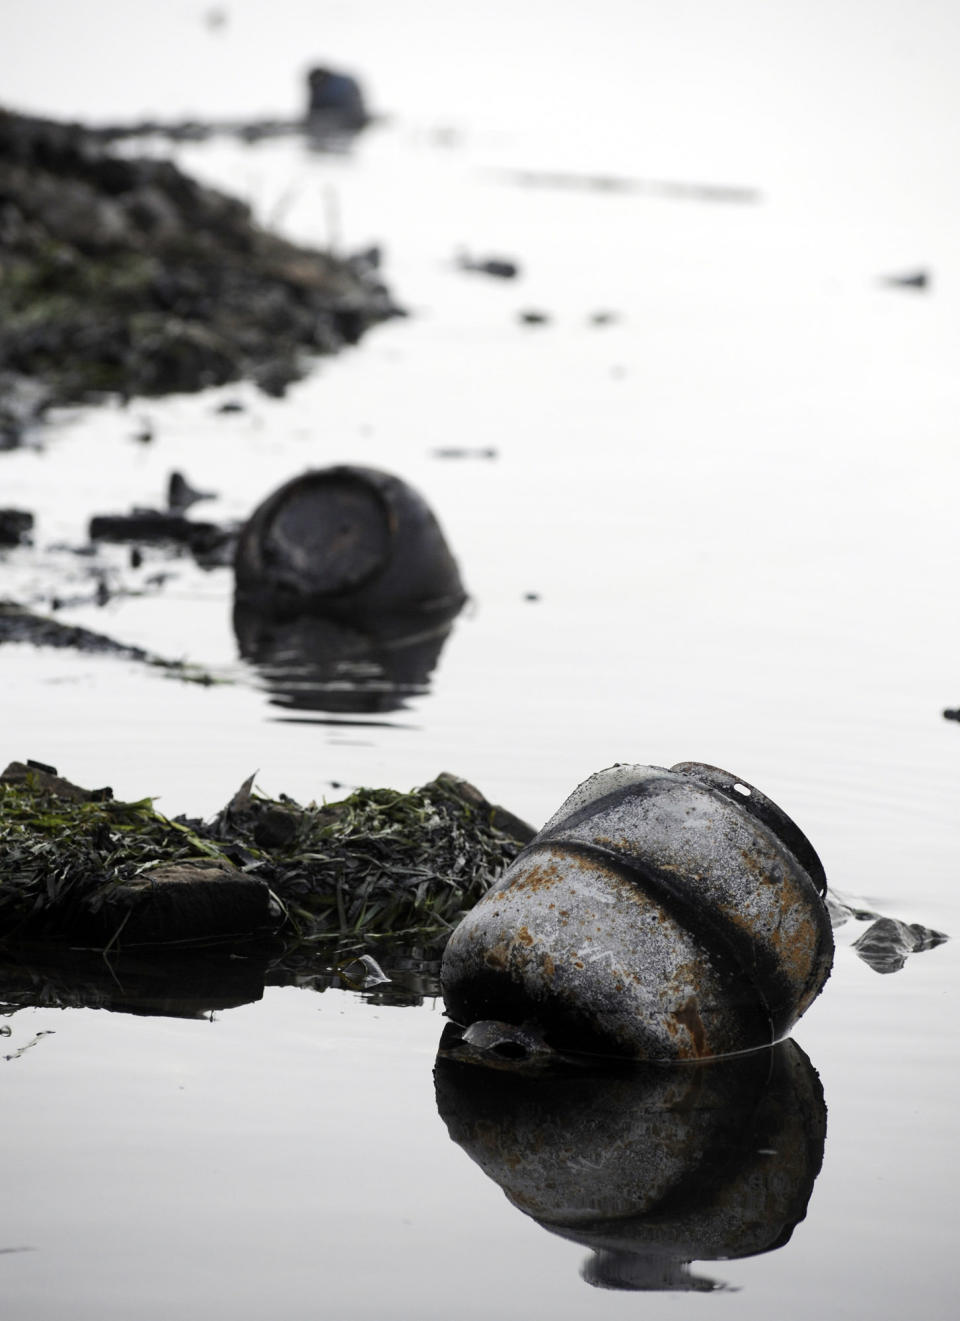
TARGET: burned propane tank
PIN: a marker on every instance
(659, 914)
(348, 543)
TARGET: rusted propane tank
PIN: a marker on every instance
(660, 914)
(347, 543)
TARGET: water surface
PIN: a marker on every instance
(718, 526)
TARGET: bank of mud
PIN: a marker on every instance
(121, 275)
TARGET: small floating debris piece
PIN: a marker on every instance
(363, 973)
(886, 945)
(919, 281)
(659, 914)
(15, 526)
(500, 268)
(464, 452)
(181, 495)
(15, 1055)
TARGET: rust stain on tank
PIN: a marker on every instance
(688, 1016)
(621, 845)
(796, 948)
(498, 956)
(764, 874)
(542, 876)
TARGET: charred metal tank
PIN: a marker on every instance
(651, 1168)
(660, 914)
(348, 543)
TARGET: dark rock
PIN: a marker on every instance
(276, 827)
(186, 901)
(276, 376)
(15, 526)
(46, 779)
(335, 102)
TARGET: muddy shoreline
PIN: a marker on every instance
(123, 276)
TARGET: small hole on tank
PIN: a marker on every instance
(742, 789)
(510, 1050)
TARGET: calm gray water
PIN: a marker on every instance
(735, 503)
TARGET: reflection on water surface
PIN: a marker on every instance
(310, 663)
(651, 1168)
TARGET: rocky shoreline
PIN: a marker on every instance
(123, 276)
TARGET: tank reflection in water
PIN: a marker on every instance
(311, 663)
(651, 1167)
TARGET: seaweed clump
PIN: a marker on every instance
(79, 865)
(379, 861)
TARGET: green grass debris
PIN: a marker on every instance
(378, 863)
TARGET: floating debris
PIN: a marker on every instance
(886, 945)
(15, 526)
(919, 281)
(501, 268)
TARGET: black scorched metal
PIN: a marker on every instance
(660, 914)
